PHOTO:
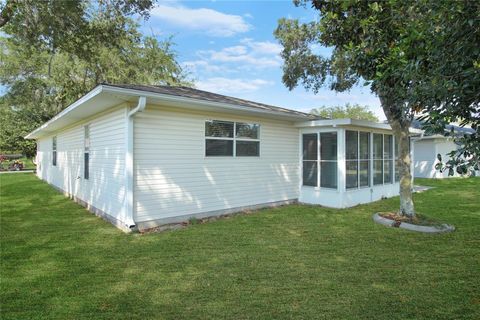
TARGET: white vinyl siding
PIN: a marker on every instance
(105, 187)
(425, 157)
(173, 177)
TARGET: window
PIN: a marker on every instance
(397, 159)
(382, 158)
(86, 154)
(219, 140)
(246, 142)
(364, 162)
(54, 151)
(224, 138)
(328, 160)
(310, 160)
(387, 158)
(357, 162)
(351, 161)
(377, 159)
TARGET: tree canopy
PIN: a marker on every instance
(396, 48)
(352, 111)
(66, 49)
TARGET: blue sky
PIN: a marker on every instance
(229, 48)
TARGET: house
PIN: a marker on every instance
(144, 156)
(426, 147)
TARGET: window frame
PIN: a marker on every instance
(396, 156)
(371, 159)
(315, 161)
(54, 151)
(234, 139)
(374, 159)
(359, 159)
(391, 159)
(86, 151)
(319, 159)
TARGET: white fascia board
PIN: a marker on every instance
(323, 123)
(433, 137)
(343, 122)
(128, 94)
(416, 132)
(190, 102)
(97, 90)
(349, 122)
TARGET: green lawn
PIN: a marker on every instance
(28, 163)
(296, 262)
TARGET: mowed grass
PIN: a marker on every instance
(296, 262)
(28, 163)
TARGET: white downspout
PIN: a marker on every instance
(129, 176)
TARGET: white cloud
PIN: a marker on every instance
(248, 54)
(197, 66)
(231, 86)
(209, 21)
(265, 47)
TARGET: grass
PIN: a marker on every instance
(295, 262)
(28, 164)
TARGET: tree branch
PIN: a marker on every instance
(7, 12)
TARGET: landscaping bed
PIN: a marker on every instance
(419, 223)
(15, 163)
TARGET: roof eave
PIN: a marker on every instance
(102, 88)
(345, 122)
(94, 92)
(201, 102)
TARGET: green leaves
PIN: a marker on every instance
(65, 48)
(354, 111)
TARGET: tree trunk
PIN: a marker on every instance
(404, 163)
(400, 124)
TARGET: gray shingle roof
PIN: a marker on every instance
(418, 124)
(192, 93)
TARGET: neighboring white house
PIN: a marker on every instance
(425, 150)
(143, 156)
(427, 147)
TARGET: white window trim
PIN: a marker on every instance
(370, 160)
(54, 151)
(86, 128)
(393, 181)
(234, 139)
(392, 170)
(319, 160)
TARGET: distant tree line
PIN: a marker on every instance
(53, 52)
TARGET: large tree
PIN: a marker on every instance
(384, 44)
(44, 71)
(449, 78)
(352, 111)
